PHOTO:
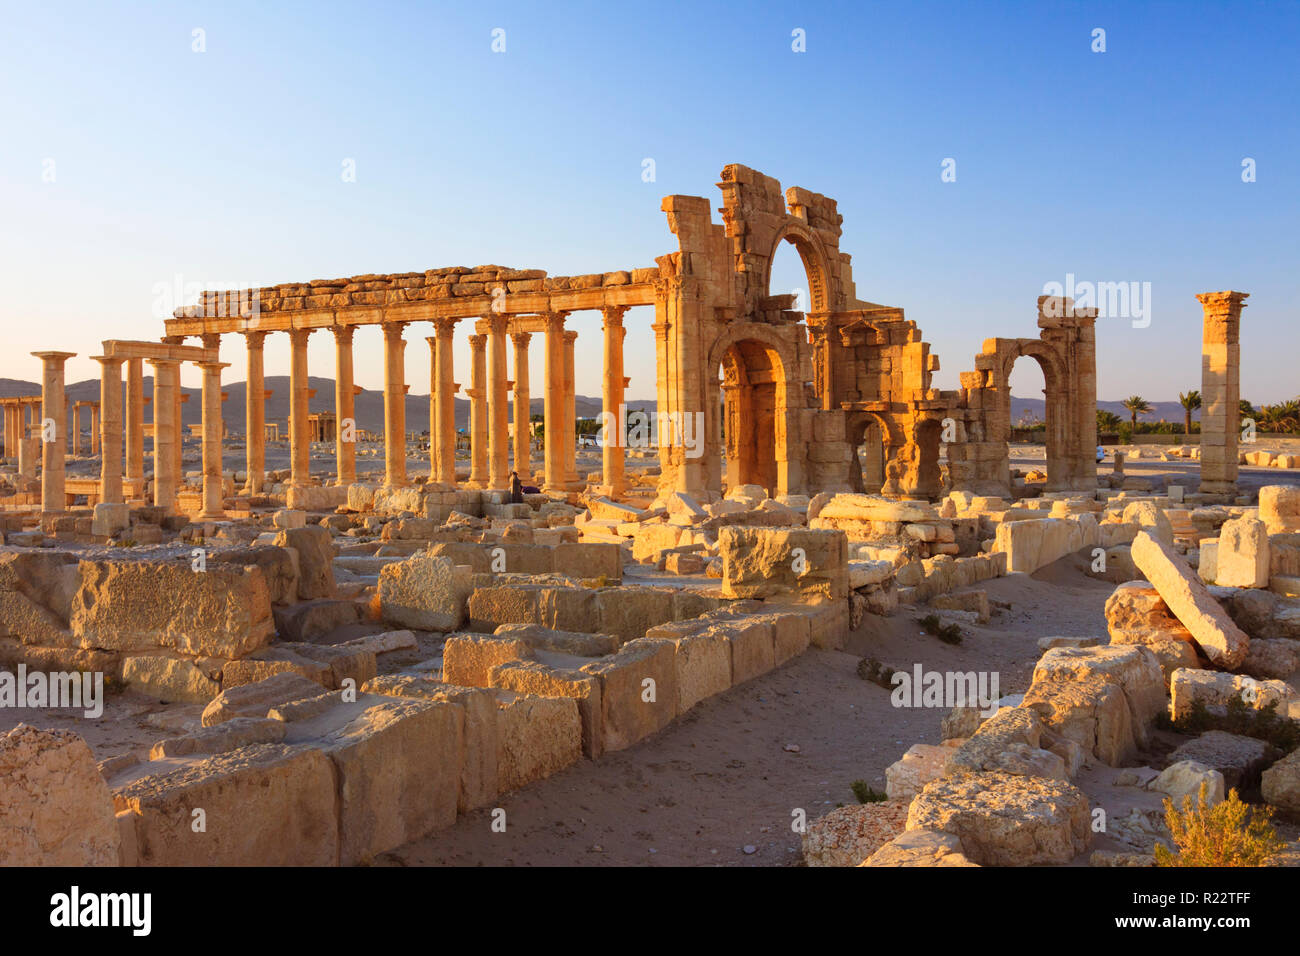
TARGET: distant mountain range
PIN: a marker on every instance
(369, 404)
(1160, 411)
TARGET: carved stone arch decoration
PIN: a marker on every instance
(816, 262)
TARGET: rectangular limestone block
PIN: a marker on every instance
(701, 667)
(753, 650)
(534, 677)
(264, 805)
(398, 763)
(468, 659)
(538, 736)
(223, 611)
(638, 691)
(478, 774)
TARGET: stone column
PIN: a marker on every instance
(478, 469)
(299, 409)
(570, 412)
(212, 484)
(166, 382)
(178, 397)
(74, 446)
(135, 423)
(1220, 390)
(9, 431)
(255, 414)
(444, 386)
(523, 411)
(94, 429)
(110, 442)
(615, 436)
(53, 431)
(394, 405)
(553, 398)
(345, 398)
(498, 442)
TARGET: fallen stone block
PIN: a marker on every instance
(920, 848)
(1219, 638)
(264, 805)
(762, 562)
(1280, 783)
(1240, 759)
(257, 699)
(468, 659)
(425, 593)
(1005, 819)
(1185, 778)
(533, 677)
(849, 835)
(55, 808)
(169, 679)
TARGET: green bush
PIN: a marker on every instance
(1229, 833)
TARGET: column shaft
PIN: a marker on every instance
(478, 469)
(212, 483)
(616, 435)
(570, 412)
(255, 414)
(523, 414)
(553, 399)
(135, 424)
(445, 402)
(345, 422)
(110, 423)
(166, 374)
(498, 436)
(394, 405)
(299, 408)
(53, 431)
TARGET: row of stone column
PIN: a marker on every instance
(489, 394)
(122, 441)
(79, 424)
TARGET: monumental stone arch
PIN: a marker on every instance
(748, 390)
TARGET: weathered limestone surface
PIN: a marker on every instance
(1006, 819)
(55, 808)
(271, 803)
(761, 562)
(136, 605)
(849, 835)
(638, 691)
(920, 848)
(425, 592)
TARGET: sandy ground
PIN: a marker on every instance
(721, 778)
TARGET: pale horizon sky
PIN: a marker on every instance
(129, 159)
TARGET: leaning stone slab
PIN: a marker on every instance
(55, 809)
(1219, 638)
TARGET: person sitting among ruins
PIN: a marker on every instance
(516, 489)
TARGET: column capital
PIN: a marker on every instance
(613, 315)
(343, 333)
(164, 362)
(554, 320)
(212, 367)
(445, 327)
(477, 342)
(498, 322)
(254, 338)
(56, 358)
(299, 335)
(108, 361)
(570, 335)
(521, 339)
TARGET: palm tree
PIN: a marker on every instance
(1190, 401)
(1107, 421)
(1245, 409)
(1136, 405)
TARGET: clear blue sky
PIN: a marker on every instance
(225, 165)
